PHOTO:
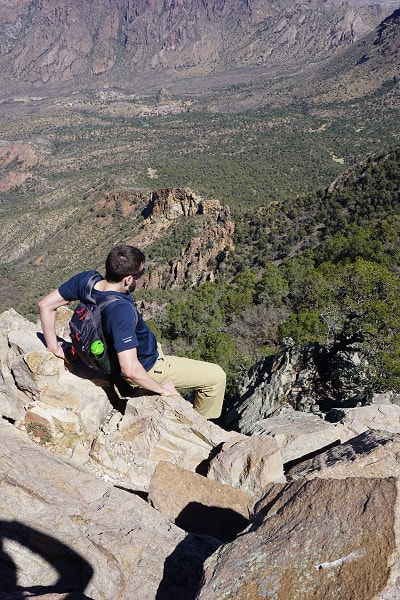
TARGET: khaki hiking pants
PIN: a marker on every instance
(206, 379)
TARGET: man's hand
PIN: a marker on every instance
(169, 389)
(134, 371)
(58, 351)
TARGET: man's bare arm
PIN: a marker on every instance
(47, 308)
(133, 370)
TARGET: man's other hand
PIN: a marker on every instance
(169, 389)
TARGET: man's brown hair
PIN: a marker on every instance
(123, 260)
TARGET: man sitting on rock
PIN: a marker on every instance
(141, 359)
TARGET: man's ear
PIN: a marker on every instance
(127, 281)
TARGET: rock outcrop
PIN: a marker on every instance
(172, 203)
(309, 378)
(107, 494)
(52, 402)
(201, 254)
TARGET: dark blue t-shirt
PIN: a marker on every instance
(118, 320)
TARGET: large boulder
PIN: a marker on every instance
(248, 463)
(314, 539)
(198, 504)
(309, 378)
(63, 529)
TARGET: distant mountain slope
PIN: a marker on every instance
(54, 41)
(370, 66)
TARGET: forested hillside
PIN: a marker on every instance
(326, 268)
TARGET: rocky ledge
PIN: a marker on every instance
(108, 493)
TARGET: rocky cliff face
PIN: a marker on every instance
(53, 41)
(201, 257)
(388, 35)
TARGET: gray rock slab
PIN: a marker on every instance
(382, 417)
(370, 454)
(298, 434)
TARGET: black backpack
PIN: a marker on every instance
(88, 340)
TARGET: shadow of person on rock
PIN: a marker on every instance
(209, 527)
(183, 569)
(74, 571)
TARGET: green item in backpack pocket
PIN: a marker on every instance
(97, 348)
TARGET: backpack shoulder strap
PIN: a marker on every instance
(107, 299)
(90, 286)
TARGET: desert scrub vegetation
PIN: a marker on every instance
(340, 288)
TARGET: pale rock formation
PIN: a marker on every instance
(64, 530)
(45, 380)
(41, 389)
(172, 203)
(370, 454)
(298, 434)
(248, 463)
(199, 260)
(198, 504)
(154, 429)
(12, 401)
(313, 539)
(353, 421)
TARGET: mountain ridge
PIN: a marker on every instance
(50, 43)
